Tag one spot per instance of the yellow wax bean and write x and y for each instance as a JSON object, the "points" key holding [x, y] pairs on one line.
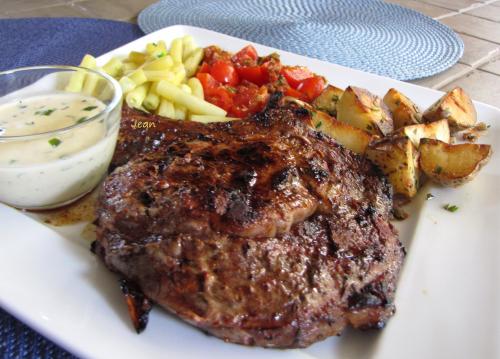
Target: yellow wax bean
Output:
{"points": [[89, 62], [127, 84], [166, 109], [186, 88], [135, 97], [128, 67], [192, 103], [187, 46], [138, 76], [113, 67], [160, 75], [90, 84], [163, 63], [137, 57], [192, 62], [180, 112], [196, 87], [176, 50]]}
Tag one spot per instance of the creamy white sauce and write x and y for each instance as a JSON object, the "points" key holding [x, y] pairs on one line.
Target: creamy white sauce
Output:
{"points": [[59, 167]]}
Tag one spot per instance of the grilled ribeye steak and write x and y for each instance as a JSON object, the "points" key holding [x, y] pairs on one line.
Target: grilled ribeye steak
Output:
{"points": [[260, 232]]}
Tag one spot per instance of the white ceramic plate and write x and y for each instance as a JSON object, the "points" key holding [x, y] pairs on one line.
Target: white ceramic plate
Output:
{"points": [[447, 301]]}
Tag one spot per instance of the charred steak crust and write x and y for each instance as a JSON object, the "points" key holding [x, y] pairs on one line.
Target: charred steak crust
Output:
{"points": [[260, 232]]}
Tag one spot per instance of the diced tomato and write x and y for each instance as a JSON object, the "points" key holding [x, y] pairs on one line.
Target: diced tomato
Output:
{"points": [[294, 93], [204, 68], [255, 74], [249, 99], [224, 72], [208, 83], [221, 97], [272, 67], [247, 56], [294, 75], [312, 87]]}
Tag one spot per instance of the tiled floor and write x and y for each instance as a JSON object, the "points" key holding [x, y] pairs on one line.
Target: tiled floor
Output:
{"points": [[476, 21]]}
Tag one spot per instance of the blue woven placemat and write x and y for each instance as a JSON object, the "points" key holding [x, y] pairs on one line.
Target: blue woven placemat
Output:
{"points": [[42, 41], [28, 42], [369, 35]]}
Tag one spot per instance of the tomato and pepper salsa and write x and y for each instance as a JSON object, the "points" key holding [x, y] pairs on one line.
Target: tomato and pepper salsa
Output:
{"points": [[242, 83]]}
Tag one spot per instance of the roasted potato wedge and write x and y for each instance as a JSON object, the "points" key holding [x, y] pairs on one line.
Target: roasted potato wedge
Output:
{"points": [[360, 108], [404, 111], [348, 136], [397, 157], [435, 130], [452, 165], [455, 106], [327, 101]]}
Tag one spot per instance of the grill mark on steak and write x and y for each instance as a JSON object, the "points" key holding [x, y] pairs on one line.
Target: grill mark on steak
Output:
{"points": [[259, 231]]}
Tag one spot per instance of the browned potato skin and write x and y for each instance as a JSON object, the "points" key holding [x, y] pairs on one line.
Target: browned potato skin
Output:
{"points": [[435, 130], [328, 99], [404, 111], [397, 157], [348, 136], [455, 106], [362, 109], [452, 165]]}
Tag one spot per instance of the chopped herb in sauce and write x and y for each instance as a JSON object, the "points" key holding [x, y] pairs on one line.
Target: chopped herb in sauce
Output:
{"points": [[54, 142], [45, 112], [89, 108], [429, 196], [450, 207], [319, 124], [369, 127], [81, 119], [438, 169]]}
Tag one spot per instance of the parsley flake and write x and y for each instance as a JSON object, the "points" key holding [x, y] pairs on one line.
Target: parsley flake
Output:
{"points": [[319, 124], [429, 196], [54, 142], [89, 108], [81, 119], [450, 207], [438, 169], [45, 112]]}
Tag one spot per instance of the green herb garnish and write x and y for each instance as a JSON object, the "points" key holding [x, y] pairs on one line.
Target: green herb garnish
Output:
{"points": [[319, 124], [11, 162], [438, 169], [369, 127], [450, 207], [429, 196], [45, 112], [54, 142], [89, 108], [81, 119]]}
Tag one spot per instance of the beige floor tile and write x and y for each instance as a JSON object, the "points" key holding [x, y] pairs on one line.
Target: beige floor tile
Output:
{"points": [[452, 4], [10, 6], [427, 9], [107, 9], [477, 50], [441, 79], [493, 67], [487, 12], [53, 11], [119, 10], [481, 85], [475, 26]]}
